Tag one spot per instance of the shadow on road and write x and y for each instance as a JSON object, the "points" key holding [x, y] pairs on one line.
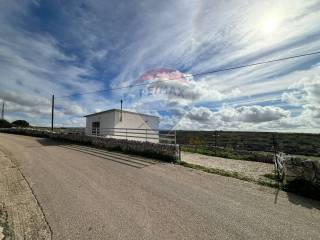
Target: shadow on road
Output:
{"points": [[300, 200], [49, 142], [303, 201], [129, 160]]}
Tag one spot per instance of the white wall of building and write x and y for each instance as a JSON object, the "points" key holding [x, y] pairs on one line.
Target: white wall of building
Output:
{"points": [[132, 126], [107, 123]]}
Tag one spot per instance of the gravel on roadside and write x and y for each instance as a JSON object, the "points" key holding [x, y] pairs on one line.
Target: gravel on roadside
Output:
{"points": [[251, 169], [21, 216]]}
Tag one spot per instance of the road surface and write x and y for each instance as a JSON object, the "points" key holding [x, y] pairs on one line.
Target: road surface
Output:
{"points": [[92, 194]]}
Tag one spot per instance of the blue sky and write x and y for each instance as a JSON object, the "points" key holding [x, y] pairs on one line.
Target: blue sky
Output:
{"points": [[70, 47]]}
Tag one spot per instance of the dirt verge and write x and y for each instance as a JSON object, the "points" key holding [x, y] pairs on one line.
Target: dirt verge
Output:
{"points": [[21, 216]]}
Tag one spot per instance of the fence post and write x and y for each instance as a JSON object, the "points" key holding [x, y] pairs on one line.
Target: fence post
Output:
{"points": [[215, 142], [146, 135], [175, 137], [52, 112], [126, 133], [274, 142]]}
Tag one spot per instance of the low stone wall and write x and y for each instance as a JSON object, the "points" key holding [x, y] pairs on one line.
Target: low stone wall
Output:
{"points": [[293, 169], [164, 152]]}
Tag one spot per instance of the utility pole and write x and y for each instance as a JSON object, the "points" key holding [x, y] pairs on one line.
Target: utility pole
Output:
{"points": [[121, 111], [52, 112], [2, 111]]}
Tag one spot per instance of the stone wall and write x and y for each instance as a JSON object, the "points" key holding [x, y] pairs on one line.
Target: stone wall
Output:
{"points": [[164, 152], [293, 169]]}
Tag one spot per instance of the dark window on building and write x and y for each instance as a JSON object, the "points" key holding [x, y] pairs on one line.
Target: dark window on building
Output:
{"points": [[96, 128]]}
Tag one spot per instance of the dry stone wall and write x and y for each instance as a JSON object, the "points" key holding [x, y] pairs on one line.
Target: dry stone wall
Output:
{"points": [[294, 168], [164, 152]]}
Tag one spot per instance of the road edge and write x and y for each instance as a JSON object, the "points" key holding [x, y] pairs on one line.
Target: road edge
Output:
{"points": [[25, 216]]}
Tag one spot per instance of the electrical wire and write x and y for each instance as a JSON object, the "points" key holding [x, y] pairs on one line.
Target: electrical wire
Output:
{"points": [[194, 75]]}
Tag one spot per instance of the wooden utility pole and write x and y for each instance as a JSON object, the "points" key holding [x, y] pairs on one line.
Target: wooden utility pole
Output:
{"points": [[52, 112], [2, 111]]}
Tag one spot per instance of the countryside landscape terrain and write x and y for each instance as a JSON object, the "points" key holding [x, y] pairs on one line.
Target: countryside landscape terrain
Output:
{"points": [[159, 120]]}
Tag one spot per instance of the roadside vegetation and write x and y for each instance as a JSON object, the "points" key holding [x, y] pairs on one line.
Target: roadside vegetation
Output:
{"points": [[291, 143], [4, 123], [17, 123]]}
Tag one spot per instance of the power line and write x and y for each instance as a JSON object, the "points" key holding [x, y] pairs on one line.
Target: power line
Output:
{"points": [[196, 74]]}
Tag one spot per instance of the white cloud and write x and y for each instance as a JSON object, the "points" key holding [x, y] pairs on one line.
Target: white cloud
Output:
{"points": [[306, 93], [199, 36], [256, 114], [250, 114]]}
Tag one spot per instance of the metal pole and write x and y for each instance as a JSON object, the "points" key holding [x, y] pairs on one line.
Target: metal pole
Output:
{"points": [[121, 111], [175, 137], [215, 141], [52, 112], [146, 135]]}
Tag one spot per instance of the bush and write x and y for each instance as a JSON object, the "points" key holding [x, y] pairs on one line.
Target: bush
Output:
{"points": [[4, 123], [20, 123]]}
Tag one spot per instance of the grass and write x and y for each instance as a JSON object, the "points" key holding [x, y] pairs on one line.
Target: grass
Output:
{"points": [[232, 174], [273, 176], [290, 143]]}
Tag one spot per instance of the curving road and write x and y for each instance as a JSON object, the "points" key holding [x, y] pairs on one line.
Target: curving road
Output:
{"points": [[87, 193]]}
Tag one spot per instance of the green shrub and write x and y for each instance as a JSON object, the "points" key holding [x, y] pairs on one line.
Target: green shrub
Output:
{"points": [[4, 123], [20, 123]]}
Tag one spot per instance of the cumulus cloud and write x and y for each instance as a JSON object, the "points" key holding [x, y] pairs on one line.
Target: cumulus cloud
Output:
{"points": [[256, 114], [23, 99], [249, 114], [306, 94], [249, 118]]}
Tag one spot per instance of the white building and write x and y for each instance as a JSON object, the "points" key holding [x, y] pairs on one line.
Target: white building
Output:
{"points": [[123, 124]]}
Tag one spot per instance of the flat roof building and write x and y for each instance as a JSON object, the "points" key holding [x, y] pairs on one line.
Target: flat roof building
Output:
{"points": [[123, 124]]}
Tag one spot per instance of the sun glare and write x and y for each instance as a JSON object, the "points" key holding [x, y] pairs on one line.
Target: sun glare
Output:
{"points": [[270, 25]]}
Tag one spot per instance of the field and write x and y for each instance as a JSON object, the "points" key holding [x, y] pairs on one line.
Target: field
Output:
{"points": [[290, 143]]}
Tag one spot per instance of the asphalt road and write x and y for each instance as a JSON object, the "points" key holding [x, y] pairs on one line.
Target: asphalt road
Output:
{"points": [[93, 194]]}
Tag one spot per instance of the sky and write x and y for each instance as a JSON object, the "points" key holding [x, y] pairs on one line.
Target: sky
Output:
{"points": [[73, 47]]}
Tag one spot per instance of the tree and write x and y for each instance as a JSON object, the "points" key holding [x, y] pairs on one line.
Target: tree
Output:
{"points": [[4, 123], [20, 123]]}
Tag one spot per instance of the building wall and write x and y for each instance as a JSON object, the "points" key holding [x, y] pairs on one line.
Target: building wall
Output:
{"points": [[107, 123], [133, 126], [148, 126]]}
